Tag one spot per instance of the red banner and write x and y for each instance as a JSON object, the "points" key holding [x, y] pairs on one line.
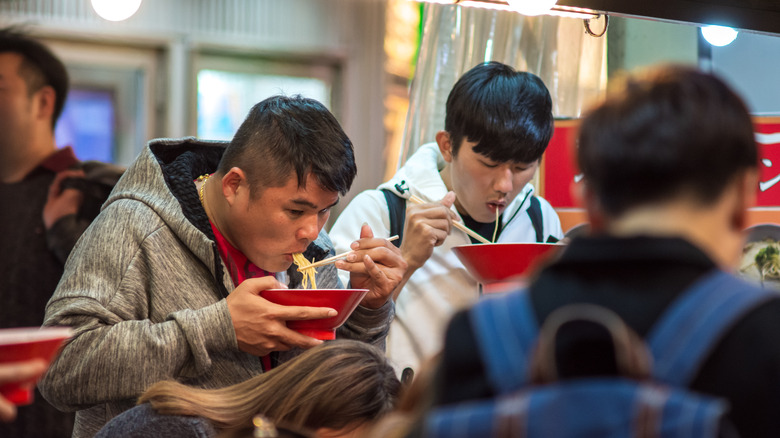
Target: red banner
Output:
{"points": [[768, 139], [559, 172], [559, 165]]}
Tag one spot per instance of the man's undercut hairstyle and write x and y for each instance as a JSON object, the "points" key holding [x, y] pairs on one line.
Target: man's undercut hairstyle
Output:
{"points": [[671, 131], [39, 66], [286, 133], [506, 112]]}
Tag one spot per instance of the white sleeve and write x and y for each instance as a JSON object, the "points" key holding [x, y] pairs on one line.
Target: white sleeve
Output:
{"points": [[550, 221]]}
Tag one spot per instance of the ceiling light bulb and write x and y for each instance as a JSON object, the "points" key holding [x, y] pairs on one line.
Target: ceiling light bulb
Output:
{"points": [[719, 35], [116, 10], [532, 7]]}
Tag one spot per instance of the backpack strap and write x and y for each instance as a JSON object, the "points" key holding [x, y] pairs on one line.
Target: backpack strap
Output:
{"points": [[693, 325], [505, 328], [535, 214], [396, 206]]}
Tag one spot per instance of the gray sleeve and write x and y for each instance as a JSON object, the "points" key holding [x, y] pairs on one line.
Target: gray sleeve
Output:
{"points": [[369, 325], [114, 293]]}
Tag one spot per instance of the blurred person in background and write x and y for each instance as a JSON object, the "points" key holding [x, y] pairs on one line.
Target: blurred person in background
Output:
{"points": [[337, 389], [48, 199], [497, 126], [670, 168]]}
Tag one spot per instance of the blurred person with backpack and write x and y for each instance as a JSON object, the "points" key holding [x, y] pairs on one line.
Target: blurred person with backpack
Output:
{"points": [[670, 167]]}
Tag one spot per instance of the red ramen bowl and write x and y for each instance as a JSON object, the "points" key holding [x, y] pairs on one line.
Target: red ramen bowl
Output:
{"points": [[24, 344], [496, 262], [343, 300]]}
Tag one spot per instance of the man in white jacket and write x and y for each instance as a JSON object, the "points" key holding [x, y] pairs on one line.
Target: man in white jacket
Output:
{"points": [[497, 126]]}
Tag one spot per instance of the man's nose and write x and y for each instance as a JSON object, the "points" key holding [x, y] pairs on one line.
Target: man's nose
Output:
{"points": [[503, 181], [310, 229]]}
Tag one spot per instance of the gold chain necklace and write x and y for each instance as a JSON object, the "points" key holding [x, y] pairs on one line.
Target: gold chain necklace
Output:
{"points": [[202, 179]]}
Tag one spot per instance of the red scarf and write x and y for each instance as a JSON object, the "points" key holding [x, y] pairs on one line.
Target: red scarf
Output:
{"points": [[240, 269], [238, 265]]}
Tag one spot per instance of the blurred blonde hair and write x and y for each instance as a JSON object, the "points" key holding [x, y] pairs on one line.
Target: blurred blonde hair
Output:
{"points": [[339, 384]]}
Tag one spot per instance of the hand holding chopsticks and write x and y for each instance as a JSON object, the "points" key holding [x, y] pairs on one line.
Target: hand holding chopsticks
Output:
{"points": [[336, 257], [458, 225]]}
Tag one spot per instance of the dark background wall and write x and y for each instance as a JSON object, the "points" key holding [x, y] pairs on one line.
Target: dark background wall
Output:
{"points": [[756, 15]]}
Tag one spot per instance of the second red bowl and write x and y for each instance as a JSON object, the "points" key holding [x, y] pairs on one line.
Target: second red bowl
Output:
{"points": [[494, 262]]}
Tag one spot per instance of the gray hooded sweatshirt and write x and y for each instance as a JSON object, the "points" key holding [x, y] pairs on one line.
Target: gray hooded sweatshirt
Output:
{"points": [[144, 290]]}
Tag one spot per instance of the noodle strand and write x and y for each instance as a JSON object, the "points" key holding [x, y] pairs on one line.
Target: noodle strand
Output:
{"points": [[308, 273], [495, 231]]}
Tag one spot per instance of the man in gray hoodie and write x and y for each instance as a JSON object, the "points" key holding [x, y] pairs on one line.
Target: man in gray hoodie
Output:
{"points": [[166, 283]]}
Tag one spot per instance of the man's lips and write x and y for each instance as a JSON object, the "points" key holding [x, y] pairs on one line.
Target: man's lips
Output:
{"points": [[496, 205], [295, 252]]}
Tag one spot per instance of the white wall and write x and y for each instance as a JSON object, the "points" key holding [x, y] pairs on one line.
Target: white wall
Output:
{"points": [[752, 65], [635, 43]]}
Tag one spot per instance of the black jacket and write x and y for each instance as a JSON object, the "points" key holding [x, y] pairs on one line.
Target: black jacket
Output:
{"points": [[637, 278]]}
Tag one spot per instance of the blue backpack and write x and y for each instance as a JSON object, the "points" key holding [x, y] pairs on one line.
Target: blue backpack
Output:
{"points": [[643, 401]]}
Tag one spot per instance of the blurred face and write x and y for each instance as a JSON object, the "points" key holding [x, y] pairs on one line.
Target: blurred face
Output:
{"points": [[482, 185], [281, 221], [16, 106]]}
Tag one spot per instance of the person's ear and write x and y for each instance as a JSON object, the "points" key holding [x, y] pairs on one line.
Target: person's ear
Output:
{"points": [[46, 100], [587, 198], [747, 188], [234, 183], [577, 191], [444, 141]]}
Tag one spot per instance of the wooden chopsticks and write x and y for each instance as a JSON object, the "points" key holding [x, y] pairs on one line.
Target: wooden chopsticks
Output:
{"points": [[458, 225], [416, 200], [335, 257]]}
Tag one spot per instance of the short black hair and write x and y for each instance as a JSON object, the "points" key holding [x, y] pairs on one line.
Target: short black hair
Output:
{"points": [[508, 113], [286, 133], [40, 67], [668, 131]]}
